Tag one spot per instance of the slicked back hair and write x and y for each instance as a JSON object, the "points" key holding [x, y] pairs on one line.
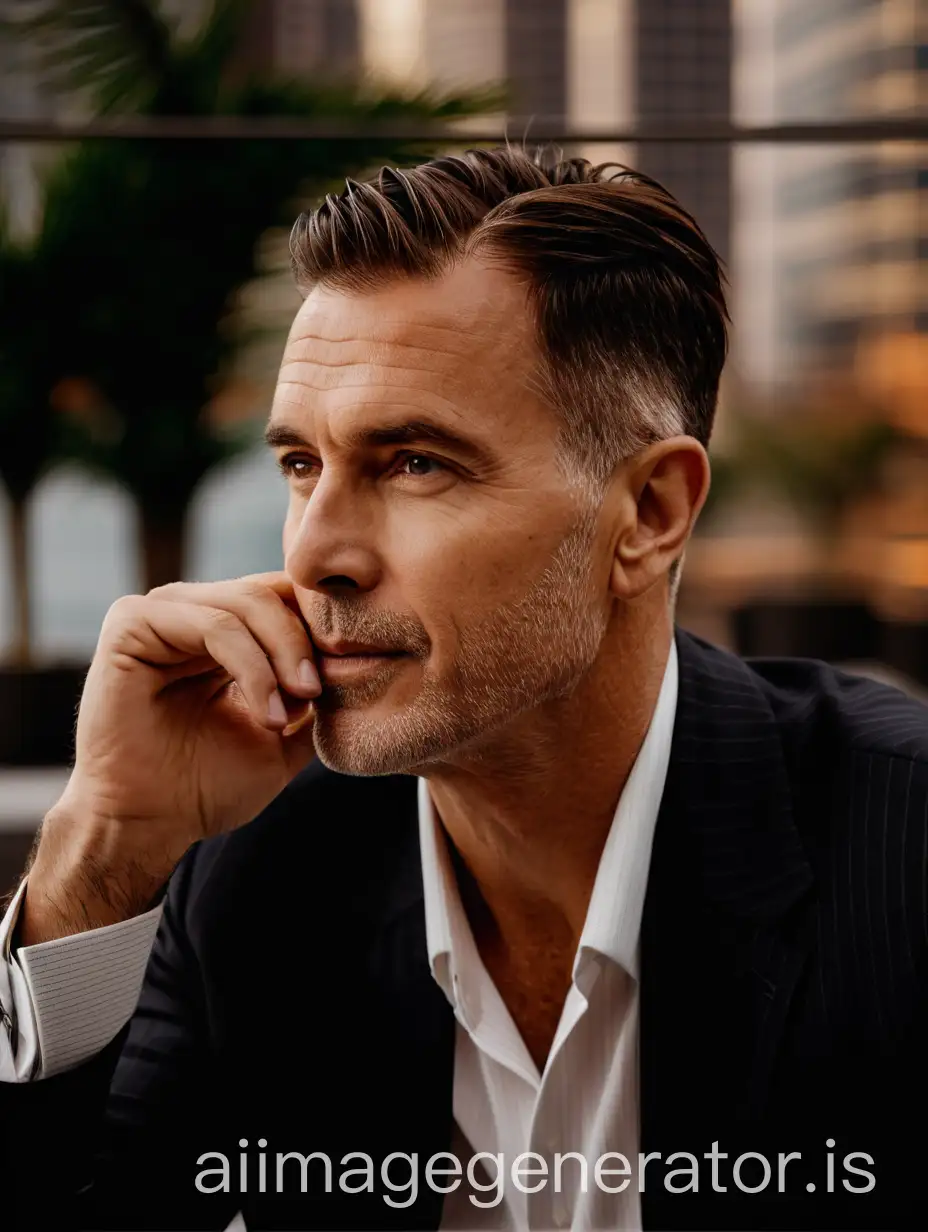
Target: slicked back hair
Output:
{"points": [[627, 293]]}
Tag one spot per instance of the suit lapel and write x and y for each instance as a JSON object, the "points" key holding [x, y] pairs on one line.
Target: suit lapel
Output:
{"points": [[721, 953], [382, 1080], [413, 1023]]}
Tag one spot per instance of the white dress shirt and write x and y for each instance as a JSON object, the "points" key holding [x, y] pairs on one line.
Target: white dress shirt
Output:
{"points": [[63, 1000]]}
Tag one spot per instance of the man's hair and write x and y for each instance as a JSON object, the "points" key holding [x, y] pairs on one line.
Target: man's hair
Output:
{"points": [[627, 293]]}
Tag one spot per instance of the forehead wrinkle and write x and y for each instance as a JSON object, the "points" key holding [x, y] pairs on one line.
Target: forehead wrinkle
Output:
{"points": [[463, 387], [428, 326], [386, 353], [323, 365], [334, 370], [468, 379], [433, 400], [391, 336], [321, 349], [467, 388]]}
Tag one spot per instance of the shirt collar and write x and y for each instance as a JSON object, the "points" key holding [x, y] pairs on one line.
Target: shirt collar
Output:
{"points": [[446, 927], [613, 921]]}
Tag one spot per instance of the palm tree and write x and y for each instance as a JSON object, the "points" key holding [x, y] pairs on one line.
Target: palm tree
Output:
{"points": [[151, 240]]}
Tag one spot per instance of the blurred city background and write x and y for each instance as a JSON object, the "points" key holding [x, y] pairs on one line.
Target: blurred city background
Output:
{"points": [[145, 294]]}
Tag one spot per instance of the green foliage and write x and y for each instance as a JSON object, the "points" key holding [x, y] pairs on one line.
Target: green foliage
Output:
{"points": [[823, 470], [726, 482], [118, 50], [816, 461]]}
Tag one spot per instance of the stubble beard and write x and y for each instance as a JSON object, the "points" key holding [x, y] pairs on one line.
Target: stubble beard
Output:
{"points": [[533, 650]]}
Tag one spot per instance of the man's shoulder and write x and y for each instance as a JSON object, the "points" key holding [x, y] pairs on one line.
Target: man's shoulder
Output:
{"points": [[843, 755], [815, 702], [854, 712]]}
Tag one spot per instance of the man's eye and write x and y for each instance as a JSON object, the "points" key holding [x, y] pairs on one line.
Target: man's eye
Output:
{"points": [[414, 465], [296, 466], [419, 464]]}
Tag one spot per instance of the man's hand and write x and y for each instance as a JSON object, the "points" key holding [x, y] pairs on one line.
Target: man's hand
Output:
{"points": [[195, 714]]}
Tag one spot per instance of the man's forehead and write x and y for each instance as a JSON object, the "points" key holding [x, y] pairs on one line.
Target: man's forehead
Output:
{"points": [[446, 316], [455, 347]]}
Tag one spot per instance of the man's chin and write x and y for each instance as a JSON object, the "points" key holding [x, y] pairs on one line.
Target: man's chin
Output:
{"points": [[386, 737], [388, 685], [353, 738]]}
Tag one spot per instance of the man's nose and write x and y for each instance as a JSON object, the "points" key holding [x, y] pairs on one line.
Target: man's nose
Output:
{"points": [[331, 547]]}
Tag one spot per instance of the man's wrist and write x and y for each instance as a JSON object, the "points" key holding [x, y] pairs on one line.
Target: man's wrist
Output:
{"points": [[89, 872]]}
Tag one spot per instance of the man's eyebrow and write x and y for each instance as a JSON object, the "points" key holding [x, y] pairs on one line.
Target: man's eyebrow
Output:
{"points": [[277, 435], [409, 432]]}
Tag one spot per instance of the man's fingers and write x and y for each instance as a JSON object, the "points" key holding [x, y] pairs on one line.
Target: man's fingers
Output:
{"points": [[276, 580], [162, 633], [259, 602]]}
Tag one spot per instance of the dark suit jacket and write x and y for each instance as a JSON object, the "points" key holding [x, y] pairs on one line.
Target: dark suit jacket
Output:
{"points": [[784, 994]]}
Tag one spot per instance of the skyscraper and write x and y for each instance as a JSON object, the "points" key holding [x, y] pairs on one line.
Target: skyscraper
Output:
{"points": [[581, 64], [683, 72], [303, 36], [838, 233]]}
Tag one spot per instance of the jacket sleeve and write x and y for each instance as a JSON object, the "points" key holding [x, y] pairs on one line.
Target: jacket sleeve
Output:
{"points": [[114, 1143]]}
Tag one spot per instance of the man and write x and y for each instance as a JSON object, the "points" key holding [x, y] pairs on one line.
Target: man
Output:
{"points": [[544, 832]]}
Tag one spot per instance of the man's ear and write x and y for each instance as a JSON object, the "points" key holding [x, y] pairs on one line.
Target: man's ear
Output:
{"points": [[664, 488]]}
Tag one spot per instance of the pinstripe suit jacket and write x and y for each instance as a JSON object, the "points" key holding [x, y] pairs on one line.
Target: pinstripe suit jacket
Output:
{"points": [[784, 995]]}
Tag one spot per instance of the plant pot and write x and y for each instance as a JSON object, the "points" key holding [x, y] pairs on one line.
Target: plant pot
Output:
{"points": [[38, 708]]}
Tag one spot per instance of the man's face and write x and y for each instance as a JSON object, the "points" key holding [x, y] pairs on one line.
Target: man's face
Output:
{"points": [[428, 518]]}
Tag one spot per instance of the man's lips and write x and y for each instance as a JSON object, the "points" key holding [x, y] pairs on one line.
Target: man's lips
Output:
{"points": [[343, 650], [350, 665]]}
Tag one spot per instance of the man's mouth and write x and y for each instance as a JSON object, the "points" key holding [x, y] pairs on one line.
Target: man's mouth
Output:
{"points": [[348, 663], [355, 650]]}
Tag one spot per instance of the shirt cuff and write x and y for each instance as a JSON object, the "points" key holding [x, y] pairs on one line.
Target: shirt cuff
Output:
{"points": [[62, 1001]]}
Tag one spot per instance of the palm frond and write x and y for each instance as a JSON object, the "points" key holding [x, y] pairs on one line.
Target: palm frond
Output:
{"points": [[116, 51], [218, 39]]}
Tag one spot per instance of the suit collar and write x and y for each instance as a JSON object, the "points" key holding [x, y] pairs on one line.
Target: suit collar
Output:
{"points": [[727, 787]]}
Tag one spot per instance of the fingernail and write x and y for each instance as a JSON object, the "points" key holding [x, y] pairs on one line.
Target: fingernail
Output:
{"points": [[276, 710], [308, 675]]}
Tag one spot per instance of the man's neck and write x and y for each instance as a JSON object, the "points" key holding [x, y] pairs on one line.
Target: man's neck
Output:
{"points": [[528, 824], [530, 818]]}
